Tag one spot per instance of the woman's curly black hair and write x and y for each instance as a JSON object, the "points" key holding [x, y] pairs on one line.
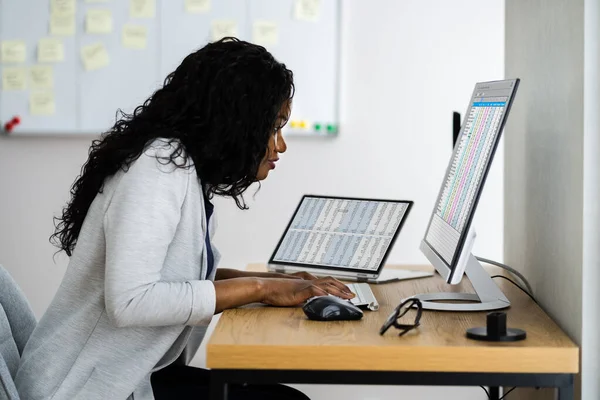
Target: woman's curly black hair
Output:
{"points": [[220, 108]]}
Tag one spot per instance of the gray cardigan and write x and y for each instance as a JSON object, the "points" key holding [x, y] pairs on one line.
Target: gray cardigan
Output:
{"points": [[135, 290]]}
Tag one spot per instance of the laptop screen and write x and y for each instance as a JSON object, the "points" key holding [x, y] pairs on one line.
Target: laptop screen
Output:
{"points": [[344, 233]]}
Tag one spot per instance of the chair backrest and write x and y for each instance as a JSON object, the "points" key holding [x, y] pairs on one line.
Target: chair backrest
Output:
{"points": [[16, 324]]}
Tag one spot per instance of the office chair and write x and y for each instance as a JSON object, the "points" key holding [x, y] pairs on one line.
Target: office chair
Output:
{"points": [[16, 325]]}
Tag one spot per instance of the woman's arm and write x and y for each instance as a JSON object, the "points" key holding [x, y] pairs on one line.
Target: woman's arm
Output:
{"points": [[236, 292], [139, 226], [226, 273]]}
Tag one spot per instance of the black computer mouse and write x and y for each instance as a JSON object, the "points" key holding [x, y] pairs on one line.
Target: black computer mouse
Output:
{"points": [[331, 308]]}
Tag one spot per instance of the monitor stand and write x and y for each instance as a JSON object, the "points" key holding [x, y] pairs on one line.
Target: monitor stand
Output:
{"points": [[487, 296]]}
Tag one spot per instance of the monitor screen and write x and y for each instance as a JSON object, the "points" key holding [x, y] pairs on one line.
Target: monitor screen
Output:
{"points": [[344, 233], [468, 168]]}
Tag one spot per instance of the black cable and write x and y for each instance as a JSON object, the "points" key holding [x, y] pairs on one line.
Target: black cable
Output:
{"points": [[509, 269], [517, 285], [506, 394], [486, 392], [501, 398]]}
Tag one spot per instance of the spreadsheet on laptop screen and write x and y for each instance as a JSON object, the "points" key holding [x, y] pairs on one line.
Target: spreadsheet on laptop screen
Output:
{"points": [[341, 233]]}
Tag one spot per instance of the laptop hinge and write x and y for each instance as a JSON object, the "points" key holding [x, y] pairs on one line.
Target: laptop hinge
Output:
{"points": [[280, 270], [362, 277]]}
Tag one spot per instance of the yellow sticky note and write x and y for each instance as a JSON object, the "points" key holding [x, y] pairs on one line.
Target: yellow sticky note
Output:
{"points": [[14, 78], [62, 24], [197, 6], [51, 50], [42, 103], [135, 36], [142, 8], [221, 28], [94, 56], [265, 33], [307, 10], [62, 6], [42, 77], [98, 21], [13, 51]]}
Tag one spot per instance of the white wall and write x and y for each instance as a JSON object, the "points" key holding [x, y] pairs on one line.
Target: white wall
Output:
{"points": [[406, 65], [552, 160], [35, 177], [544, 152]]}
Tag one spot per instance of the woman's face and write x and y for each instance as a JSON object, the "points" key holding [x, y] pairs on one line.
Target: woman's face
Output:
{"points": [[277, 145]]}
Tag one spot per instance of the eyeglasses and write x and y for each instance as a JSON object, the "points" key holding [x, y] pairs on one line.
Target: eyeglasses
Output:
{"points": [[400, 311]]}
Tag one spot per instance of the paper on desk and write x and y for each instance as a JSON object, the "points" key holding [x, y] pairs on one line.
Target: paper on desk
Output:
{"points": [[98, 21], [62, 24], [97, 1], [221, 28], [14, 78], [42, 103], [62, 6], [307, 10], [51, 50], [13, 51], [135, 36], [94, 56], [197, 6], [142, 8], [265, 33], [42, 77]]}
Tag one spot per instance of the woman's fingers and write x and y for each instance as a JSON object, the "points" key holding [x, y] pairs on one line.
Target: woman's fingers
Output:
{"points": [[334, 288], [338, 285]]}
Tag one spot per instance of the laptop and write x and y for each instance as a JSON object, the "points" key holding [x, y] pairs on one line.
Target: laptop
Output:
{"points": [[344, 237]]}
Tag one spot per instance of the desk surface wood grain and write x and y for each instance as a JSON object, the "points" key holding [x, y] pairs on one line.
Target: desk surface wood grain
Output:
{"points": [[261, 337]]}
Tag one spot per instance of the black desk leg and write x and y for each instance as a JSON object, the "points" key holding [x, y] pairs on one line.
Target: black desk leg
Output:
{"points": [[566, 392], [494, 393], [218, 388]]}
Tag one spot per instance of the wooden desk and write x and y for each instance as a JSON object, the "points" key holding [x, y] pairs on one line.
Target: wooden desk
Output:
{"points": [[267, 344]]}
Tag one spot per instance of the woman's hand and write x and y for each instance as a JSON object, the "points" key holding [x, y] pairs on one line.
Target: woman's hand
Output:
{"points": [[304, 275], [291, 292]]}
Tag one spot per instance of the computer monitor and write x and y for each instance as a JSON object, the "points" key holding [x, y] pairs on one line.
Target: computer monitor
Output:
{"points": [[449, 236]]}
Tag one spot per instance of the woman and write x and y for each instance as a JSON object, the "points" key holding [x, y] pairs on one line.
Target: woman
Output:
{"points": [[141, 285]]}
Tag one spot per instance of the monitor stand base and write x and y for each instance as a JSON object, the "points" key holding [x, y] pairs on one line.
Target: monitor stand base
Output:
{"points": [[487, 296]]}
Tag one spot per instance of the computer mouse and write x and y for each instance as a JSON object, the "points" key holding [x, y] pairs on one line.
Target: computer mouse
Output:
{"points": [[331, 308]]}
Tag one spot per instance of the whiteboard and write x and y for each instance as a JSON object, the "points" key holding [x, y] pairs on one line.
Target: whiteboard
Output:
{"points": [[86, 102]]}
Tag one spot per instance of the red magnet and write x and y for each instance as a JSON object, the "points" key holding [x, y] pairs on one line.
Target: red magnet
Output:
{"points": [[9, 126]]}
